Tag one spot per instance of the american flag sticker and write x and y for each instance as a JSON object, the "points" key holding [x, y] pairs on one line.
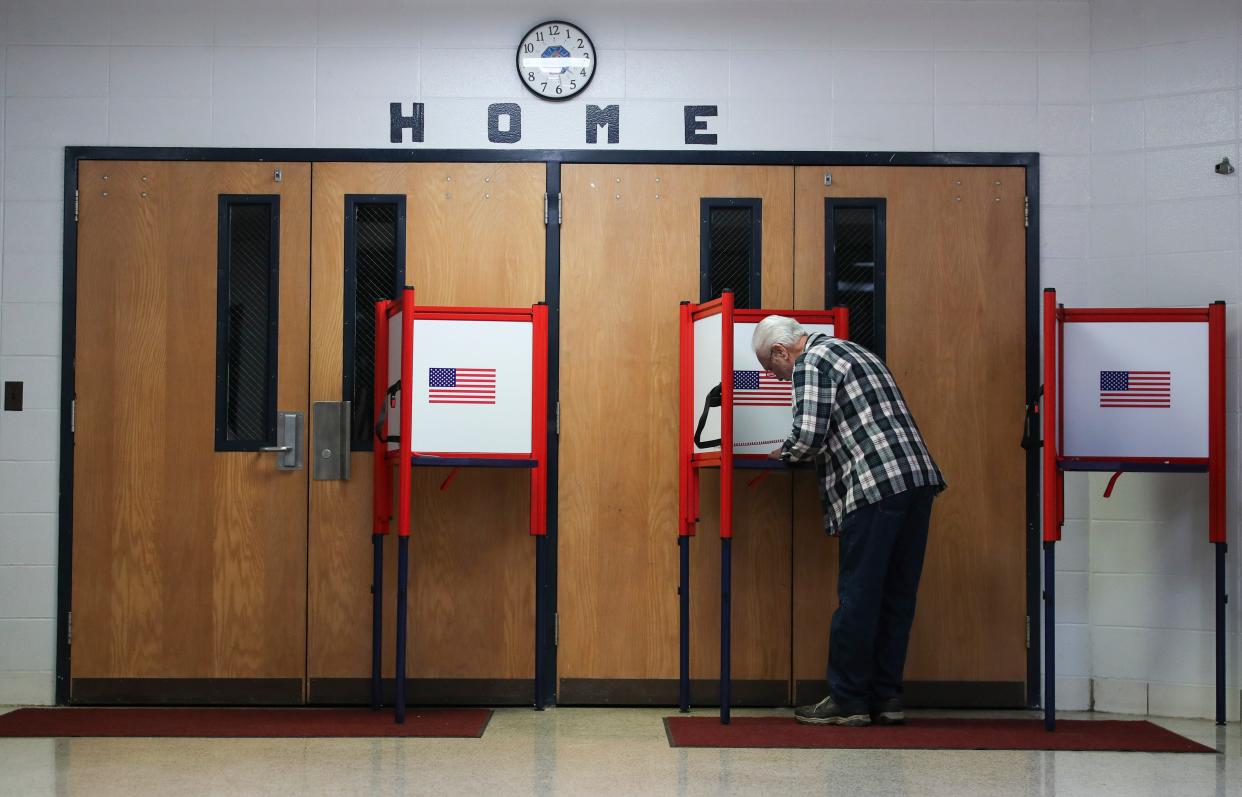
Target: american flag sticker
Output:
{"points": [[462, 385], [1143, 389], [760, 389]]}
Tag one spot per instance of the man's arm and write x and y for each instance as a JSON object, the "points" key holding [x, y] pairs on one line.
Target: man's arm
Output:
{"points": [[814, 394]]}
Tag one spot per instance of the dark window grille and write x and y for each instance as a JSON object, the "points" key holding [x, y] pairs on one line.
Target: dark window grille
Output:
{"points": [[374, 270], [854, 266], [246, 321], [730, 247]]}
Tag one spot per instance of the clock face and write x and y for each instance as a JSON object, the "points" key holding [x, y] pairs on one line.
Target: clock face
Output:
{"points": [[556, 60]]}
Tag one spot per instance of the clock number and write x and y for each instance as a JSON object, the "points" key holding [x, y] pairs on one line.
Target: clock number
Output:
{"points": [[538, 35], [558, 88], [583, 73], [529, 48], [530, 76], [553, 30], [580, 44], [573, 84], [544, 84]]}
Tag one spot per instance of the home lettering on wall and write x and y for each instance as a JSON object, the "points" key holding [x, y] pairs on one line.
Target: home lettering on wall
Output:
{"points": [[504, 123]]}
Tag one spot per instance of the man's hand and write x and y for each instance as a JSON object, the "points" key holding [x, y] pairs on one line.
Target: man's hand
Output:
{"points": [[774, 453]]}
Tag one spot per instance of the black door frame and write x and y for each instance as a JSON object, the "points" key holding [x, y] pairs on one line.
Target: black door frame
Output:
{"points": [[553, 160]]}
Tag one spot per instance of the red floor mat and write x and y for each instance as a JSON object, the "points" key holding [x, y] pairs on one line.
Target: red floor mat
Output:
{"points": [[932, 733], [242, 722]]}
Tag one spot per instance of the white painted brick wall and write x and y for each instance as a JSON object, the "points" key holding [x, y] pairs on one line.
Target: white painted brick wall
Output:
{"points": [[1164, 231]]}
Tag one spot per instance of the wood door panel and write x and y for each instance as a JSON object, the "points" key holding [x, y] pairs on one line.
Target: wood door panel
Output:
{"points": [[188, 563], [762, 581], [630, 253], [956, 314], [474, 237]]}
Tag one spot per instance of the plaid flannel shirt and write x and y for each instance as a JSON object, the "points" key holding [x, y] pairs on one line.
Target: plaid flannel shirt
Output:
{"points": [[852, 421]]}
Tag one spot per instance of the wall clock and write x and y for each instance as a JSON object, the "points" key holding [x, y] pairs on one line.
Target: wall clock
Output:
{"points": [[556, 60]]}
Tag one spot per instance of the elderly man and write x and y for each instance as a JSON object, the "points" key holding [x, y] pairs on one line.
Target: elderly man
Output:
{"points": [[876, 481]]}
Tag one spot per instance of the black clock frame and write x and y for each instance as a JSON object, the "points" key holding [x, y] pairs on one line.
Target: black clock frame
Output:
{"points": [[517, 60]]}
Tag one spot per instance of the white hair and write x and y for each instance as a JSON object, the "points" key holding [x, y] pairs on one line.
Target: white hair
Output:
{"points": [[773, 330]]}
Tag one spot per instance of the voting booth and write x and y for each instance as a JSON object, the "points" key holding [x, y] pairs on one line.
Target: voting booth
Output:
{"points": [[1132, 390], [455, 387], [732, 413]]}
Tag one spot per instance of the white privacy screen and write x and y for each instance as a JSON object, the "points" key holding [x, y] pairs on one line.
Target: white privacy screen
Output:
{"points": [[472, 388], [1135, 389]]}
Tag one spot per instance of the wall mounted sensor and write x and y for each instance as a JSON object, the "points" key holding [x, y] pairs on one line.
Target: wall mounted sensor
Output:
{"points": [[1224, 167]]}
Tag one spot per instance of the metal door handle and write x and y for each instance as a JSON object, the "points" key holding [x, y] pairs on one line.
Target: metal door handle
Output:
{"points": [[288, 448]]}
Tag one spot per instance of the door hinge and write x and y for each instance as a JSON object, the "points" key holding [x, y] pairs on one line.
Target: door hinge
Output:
{"points": [[75, 205], [1026, 211], [556, 630], [547, 202], [73, 416], [558, 419], [277, 176], [69, 628], [559, 208], [1028, 632]]}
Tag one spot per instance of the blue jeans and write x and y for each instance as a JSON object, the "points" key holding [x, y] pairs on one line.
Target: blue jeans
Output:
{"points": [[881, 559]]}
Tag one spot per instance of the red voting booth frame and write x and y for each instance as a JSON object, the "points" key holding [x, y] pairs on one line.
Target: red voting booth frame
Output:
{"points": [[691, 464], [1055, 465], [404, 458]]}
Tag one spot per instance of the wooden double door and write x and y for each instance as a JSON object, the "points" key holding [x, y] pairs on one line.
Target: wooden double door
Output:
{"points": [[954, 320], [203, 573]]}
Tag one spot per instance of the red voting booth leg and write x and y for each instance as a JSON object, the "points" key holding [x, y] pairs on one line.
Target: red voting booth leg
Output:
{"points": [[685, 514], [539, 489], [539, 420], [1217, 530], [1051, 500], [381, 508], [685, 387], [381, 487], [1058, 421], [403, 498], [726, 416], [726, 501]]}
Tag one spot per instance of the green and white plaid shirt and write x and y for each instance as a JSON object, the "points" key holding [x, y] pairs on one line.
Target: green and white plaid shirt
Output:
{"points": [[851, 420]]}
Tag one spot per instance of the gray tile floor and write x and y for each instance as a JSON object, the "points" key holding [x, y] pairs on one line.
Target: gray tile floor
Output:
{"points": [[597, 751]]}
